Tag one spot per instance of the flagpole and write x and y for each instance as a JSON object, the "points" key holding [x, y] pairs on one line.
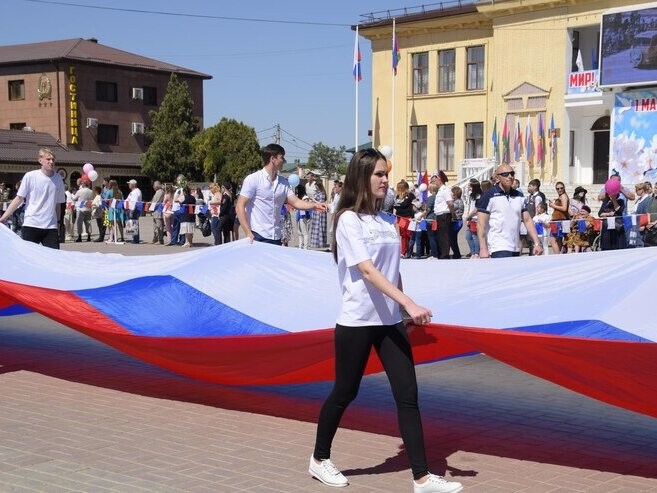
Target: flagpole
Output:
{"points": [[357, 90], [392, 99]]}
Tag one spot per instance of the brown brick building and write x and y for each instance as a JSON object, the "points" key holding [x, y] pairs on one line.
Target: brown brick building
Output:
{"points": [[93, 100]]}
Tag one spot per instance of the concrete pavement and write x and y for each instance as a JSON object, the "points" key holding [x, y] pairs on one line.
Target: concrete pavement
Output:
{"points": [[76, 415]]}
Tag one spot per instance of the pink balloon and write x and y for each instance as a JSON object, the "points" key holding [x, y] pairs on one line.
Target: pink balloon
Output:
{"points": [[613, 186], [87, 167]]}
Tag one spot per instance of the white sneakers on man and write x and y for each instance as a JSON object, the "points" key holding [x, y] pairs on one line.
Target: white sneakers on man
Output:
{"points": [[436, 484], [327, 473]]}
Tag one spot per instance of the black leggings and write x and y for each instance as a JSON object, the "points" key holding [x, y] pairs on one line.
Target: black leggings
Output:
{"points": [[352, 349]]}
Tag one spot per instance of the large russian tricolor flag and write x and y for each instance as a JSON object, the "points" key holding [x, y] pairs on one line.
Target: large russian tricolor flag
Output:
{"points": [[258, 314]]}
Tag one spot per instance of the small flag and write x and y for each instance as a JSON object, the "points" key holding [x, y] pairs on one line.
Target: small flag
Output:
{"points": [[494, 140], [357, 58], [553, 138], [395, 52], [529, 142], [505, 143], [540, 145], [579, 62]]}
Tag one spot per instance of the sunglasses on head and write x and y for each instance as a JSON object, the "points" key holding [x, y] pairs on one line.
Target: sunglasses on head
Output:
{"points": [[506, 174]]}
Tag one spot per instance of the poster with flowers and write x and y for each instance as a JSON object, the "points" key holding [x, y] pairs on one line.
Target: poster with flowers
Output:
{"points": [[633, 152]]}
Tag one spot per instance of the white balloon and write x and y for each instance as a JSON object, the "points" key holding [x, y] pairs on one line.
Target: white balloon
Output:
{"points": [[423, 187], [87, 167], [386, 151], [93, 175]]}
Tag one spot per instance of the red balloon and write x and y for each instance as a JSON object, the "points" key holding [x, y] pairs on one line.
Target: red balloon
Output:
{"points": [[613, 186]]}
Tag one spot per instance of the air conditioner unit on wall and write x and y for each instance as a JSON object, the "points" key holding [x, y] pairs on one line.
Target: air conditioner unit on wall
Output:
{"points": [[137, 93], [137, 128], [92, 122]]}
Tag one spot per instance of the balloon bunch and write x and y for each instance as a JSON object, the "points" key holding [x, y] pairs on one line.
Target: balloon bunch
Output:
{"points": [[89, 174]]}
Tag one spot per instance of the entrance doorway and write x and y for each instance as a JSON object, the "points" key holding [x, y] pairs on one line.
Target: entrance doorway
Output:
{"points": [[601, 149]]}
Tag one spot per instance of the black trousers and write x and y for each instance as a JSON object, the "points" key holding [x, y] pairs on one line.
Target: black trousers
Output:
{"points": [[46, 237], [352, 349], [442, 234]]}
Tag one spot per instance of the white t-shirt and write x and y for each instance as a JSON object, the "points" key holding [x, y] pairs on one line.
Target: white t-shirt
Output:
{"points": [[543, 218], [82, 197], [133, 197], [42, 195], [363, 237], [443, 196], [266, 198]]}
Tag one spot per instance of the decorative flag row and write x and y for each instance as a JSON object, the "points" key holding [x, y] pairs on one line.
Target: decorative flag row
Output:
{"points": [[136, 206], [534, 148]]}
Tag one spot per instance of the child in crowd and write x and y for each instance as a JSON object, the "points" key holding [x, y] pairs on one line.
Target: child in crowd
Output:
{"points": [[416, 232], [576, 240], [542, 222]]}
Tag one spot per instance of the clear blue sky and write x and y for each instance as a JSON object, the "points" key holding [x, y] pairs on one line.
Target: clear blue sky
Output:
{"points": [[294, 74]]}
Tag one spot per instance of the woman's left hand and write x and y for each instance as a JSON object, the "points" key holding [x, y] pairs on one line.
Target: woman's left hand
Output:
{"points": [[418, 314]]}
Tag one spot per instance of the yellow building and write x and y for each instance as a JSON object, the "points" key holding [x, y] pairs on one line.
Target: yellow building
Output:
{"points": [[469, 69]]}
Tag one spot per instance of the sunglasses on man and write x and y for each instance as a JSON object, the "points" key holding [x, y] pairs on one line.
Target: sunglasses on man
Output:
{"points": [[506, 174]]}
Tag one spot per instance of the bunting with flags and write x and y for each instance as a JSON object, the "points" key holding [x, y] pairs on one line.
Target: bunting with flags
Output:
{"points": [[357, 58]]}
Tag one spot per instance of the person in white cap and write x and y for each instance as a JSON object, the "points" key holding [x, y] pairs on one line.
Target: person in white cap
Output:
{"points": [[135, 205]]}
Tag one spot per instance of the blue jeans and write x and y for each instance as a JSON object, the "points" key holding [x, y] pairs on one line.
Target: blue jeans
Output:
{"points": [[473, 241], [416, 240], [175, 230]]}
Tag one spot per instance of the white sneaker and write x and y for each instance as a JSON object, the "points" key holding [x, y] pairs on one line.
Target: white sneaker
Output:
{"points": [[436, 484], [327, 473]]}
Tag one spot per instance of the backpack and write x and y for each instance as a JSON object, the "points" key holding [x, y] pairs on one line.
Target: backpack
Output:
{"points": [[530, 203]]}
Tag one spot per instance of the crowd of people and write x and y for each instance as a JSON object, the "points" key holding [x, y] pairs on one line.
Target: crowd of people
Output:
{"points": [[431, 218]]}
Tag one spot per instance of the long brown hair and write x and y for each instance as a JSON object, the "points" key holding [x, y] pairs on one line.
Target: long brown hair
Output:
{"points": [[356, 193]]}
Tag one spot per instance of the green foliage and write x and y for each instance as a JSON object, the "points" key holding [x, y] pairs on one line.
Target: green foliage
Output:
{"points": [[330, 160], [229, 150], [173, 126]]}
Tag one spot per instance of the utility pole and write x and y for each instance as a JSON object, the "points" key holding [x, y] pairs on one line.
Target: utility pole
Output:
{"points": [[277, 135]]}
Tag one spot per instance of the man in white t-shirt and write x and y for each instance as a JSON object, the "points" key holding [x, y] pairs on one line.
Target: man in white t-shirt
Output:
{"points": [[82, 200], [42, 190], [135, 205], [262, 196]]}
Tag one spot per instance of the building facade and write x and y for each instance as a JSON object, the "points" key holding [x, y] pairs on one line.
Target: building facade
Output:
{"points": [[92, 99], [506, 81]]}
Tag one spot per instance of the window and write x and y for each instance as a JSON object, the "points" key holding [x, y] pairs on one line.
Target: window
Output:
{"points": [[16, 90], [421, 73], [108, 134], [150, 96], [106, 91], [475, 76], [419, 148], [446, 70], [17, 126], [474, 140], [446, 147]]}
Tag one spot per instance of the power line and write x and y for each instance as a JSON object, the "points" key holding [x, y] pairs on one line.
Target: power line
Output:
{"points": [[198, 16], [297, 138]]}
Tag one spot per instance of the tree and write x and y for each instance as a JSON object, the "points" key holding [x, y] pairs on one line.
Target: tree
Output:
{"points": [[172, 127], [329, 160], [227, 151]]}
